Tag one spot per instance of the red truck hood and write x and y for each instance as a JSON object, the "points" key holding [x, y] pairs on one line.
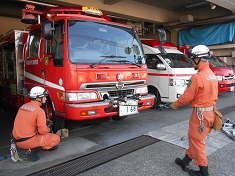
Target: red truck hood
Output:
{"points": [[222, 71]]}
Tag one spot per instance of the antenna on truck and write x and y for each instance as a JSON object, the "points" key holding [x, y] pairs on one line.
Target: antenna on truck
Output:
{"points": [[162, 37]]}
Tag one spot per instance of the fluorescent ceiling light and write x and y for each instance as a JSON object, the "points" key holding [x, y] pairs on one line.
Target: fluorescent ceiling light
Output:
{"points": [[213, 6]]}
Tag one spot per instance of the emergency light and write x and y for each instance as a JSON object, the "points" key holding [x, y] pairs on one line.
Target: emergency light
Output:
{"points": [[32, 16], [156, 44]]}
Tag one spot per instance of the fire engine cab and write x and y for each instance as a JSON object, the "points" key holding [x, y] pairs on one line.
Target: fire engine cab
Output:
{"points": [[169, 70], [92, 67]]}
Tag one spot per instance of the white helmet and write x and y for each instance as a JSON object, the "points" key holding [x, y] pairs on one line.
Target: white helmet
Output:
{"points": [[199, 51], [37, 92]]}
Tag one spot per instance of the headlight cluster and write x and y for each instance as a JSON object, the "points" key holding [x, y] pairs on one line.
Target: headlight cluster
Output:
{"points": [[81, 96], [178, 82], [220, 78], [141, 90]]}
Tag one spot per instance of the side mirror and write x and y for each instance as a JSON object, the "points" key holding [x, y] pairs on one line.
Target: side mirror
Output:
{"points": [[162, 37], [47, 30], [160, 67]]}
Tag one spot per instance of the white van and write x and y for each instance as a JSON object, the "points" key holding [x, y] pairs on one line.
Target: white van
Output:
{"points": [[169, 73]]}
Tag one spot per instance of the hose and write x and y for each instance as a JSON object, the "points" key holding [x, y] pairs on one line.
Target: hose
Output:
{"points": [[14, 154]]}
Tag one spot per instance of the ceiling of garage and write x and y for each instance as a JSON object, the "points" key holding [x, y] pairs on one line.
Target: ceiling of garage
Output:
{"points": [[176, 6], [224, 9]]}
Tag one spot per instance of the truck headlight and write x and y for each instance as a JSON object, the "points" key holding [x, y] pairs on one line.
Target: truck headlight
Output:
{"points": [[141, 90], [177, 82], [81, 96]]}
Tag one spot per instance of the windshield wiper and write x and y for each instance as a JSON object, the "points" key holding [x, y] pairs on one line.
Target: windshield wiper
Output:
{"points": [[105, 57], [127, 61]]}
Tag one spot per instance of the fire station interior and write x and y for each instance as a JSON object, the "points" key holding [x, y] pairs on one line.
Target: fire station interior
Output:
{"points": [[147, 15]]}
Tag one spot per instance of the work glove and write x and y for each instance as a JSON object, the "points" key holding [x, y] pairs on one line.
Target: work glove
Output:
{"points": [[50, 124], [174, 105]]}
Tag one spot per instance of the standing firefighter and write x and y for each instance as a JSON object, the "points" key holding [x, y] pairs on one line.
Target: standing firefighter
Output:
{"points": [[30, 126], [201, 93]]}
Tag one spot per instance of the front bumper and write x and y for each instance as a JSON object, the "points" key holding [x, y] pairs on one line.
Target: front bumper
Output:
{"points": [[74, 111], [226, 86]]}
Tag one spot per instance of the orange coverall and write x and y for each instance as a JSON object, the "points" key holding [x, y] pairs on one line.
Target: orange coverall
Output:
{"points": [[202, 91], [31, 121]]}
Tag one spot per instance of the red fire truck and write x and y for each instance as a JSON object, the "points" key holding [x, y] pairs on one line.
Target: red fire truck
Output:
{"points": [[92, 67]]}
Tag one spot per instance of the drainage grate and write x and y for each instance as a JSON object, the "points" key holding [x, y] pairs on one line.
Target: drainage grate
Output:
{"points": [[97, 158]]}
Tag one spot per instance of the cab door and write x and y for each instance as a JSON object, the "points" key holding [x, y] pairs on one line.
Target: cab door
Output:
{"points": [[33, 74], [158, 74]]}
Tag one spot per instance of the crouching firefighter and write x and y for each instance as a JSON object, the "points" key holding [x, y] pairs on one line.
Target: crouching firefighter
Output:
{"points": [[30, 130], [202, 94]]}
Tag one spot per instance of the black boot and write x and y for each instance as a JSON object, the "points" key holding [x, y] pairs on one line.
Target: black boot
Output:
{"points": [[183, 163], [32, 154], [203, 171], [52, 149]]}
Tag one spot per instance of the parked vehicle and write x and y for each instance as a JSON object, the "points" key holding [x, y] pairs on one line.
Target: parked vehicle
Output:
{"points": [[224, 73], [92, 67], [169, 71]]}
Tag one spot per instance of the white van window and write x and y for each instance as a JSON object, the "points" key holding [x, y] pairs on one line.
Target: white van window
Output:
{"points": [[152, 60], [176, 60]]}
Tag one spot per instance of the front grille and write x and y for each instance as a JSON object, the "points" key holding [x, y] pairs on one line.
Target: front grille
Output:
{"points": [[118, 93], [109, 90], [112, 85], [230, 85], [226, 78]]}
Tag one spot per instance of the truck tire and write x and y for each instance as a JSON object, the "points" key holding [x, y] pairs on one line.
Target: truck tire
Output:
{"points": [[118, 118], [58, 122], [155, 92]]}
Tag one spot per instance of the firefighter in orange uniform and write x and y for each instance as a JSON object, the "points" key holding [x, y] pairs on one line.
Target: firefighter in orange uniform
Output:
{"points": [[30, 126], [202, 94]]}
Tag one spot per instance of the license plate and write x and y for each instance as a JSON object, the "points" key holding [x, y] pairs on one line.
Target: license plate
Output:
{"points": [[231, 89], [128, 108]]}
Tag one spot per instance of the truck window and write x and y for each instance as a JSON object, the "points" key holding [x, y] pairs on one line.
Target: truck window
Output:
{"points": [[58, 42], [56, 45], [89, 42], [216, 62], [176, 60], [8, 62], [34, 41]]}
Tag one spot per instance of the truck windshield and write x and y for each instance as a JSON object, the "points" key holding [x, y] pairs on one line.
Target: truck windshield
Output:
{"points": [[176, 60], [216, 62], [90, 41]]}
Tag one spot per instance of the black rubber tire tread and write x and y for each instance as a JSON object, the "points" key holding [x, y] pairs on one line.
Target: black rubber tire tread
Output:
{"points": [[58, 122], [155, 92]]}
